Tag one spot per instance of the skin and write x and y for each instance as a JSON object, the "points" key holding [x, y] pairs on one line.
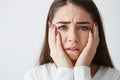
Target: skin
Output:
{"points": [[72, 27]]}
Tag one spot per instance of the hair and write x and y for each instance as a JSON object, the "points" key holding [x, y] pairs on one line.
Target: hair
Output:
{"points": [[102, 56]]}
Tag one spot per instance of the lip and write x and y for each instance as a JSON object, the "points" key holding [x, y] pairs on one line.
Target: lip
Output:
{"points": [[73, 49]]}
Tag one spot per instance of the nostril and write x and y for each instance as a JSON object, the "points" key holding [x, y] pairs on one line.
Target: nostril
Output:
{"points": [[70, 40], [73, 41], [76, 41]]}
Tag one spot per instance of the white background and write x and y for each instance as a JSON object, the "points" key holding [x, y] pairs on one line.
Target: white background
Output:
{"points": [[22, 25]]}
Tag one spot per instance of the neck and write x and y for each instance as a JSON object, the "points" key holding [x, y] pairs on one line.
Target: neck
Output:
{"points": [[94, 69]]}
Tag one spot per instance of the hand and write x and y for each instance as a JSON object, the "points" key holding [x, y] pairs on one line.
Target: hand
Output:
{"points": [[89, 51], [56, 49]]}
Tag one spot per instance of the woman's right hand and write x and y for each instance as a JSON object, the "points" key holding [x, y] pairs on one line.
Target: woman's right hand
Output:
{"points": [[57, 52]]}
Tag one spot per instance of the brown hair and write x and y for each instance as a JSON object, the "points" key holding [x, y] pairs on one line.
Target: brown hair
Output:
{"points": [[102, 55]]}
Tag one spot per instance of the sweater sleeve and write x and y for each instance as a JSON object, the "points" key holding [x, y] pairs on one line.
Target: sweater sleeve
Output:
{"points": [[31, 74], [82, 73], [28, 76], [64, 73]]}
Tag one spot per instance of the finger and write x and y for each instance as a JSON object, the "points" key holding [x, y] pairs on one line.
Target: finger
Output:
{"points": [[85, 53], [59, 41], [95, 33], [49, 31], [90, 41], [52, 39], [85, 57], [95, 30], [53, 32], [65, 59]]}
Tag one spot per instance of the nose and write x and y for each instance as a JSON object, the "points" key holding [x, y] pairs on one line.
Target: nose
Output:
{"points": [[73, 37]]}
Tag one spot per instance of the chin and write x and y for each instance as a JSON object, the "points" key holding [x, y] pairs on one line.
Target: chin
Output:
{"points": [[74, 57]]}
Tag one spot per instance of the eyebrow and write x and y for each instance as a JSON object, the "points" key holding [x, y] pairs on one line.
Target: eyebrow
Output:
{"points": [[65, 22]]}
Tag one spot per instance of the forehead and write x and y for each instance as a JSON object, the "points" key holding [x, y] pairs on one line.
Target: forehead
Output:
{"points": [[71, 12]]}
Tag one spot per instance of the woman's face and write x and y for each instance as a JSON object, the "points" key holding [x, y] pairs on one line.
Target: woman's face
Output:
{"points": [[74, 24]]}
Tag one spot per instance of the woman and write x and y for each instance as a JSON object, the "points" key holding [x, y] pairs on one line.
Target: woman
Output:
{"points": [[74, 46]]}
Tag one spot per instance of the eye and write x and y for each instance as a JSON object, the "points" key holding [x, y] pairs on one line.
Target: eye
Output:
{"points": [[62, 27], [84, 28]]}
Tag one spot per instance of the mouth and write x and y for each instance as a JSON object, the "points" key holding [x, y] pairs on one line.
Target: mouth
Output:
{"points": [[73, 49]]}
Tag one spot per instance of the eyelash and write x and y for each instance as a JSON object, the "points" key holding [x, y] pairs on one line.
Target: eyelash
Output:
{"points": [[84, 28], [63, 27]]}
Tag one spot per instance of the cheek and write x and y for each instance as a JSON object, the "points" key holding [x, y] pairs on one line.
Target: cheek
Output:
{"points": [[62, 37]]}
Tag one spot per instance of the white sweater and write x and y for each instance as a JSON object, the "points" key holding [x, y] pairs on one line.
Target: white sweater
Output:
{"points": [[50, 72]]}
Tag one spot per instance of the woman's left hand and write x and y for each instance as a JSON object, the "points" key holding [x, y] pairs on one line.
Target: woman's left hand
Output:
{"points": [[89, 51]]}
